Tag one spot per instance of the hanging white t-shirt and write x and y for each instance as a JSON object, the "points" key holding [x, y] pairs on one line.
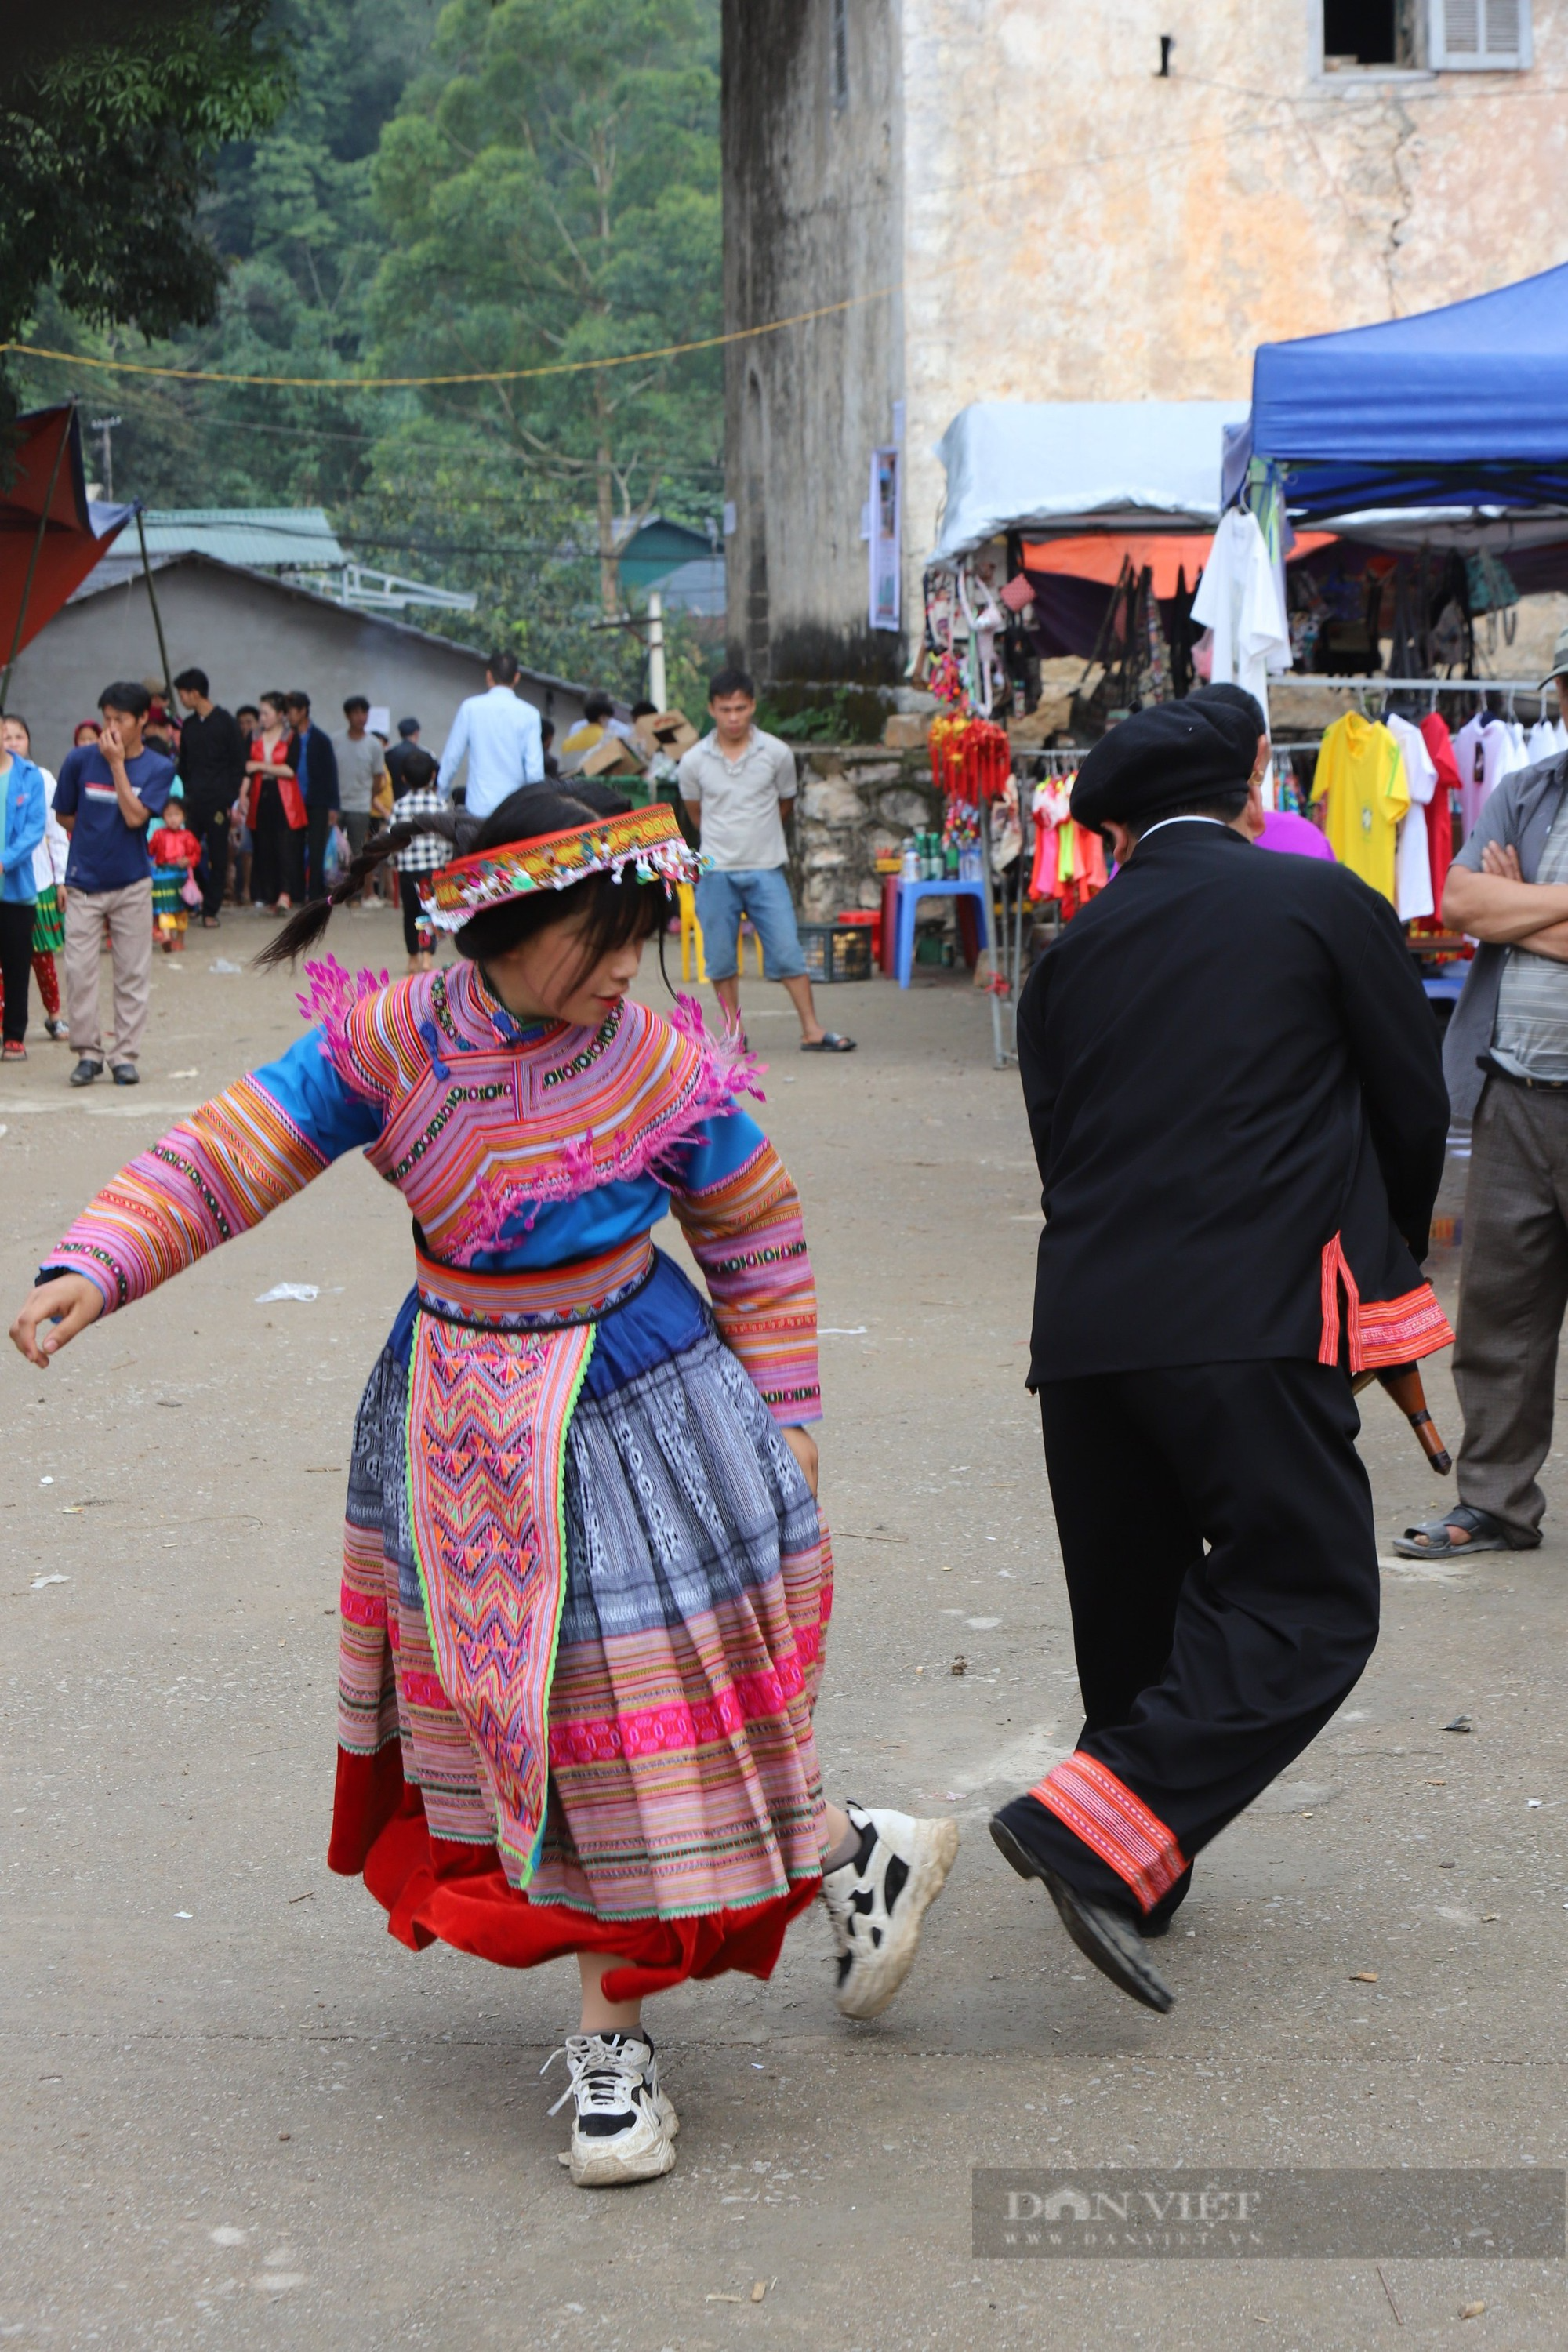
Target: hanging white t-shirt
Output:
{"points": [[1541, 744], [1479, 749], [1238, 599], [1412, 858]]}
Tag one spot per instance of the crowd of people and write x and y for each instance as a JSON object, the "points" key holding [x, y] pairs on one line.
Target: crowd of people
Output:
{"points": [[160, 814]]}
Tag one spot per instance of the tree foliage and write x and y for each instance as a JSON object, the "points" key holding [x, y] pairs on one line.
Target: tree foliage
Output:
{"points": [[109, 145], [551, 189]]}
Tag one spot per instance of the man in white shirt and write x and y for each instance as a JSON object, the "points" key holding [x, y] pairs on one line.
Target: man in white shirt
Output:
{"points": [[735, 784], [500, 734]]}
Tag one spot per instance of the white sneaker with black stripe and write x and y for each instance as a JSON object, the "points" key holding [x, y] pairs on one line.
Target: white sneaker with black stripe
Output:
{"points": [[623, 2127], [878, 1899]]}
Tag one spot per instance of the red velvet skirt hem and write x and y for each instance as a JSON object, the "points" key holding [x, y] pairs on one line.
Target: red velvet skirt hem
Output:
{"points": [[437, 1890]]}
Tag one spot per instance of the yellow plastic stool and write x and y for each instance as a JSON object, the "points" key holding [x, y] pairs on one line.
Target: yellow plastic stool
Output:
{"points": [[692, 936]]}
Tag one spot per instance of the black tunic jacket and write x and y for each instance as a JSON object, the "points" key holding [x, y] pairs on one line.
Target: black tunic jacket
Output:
{"points": [[1236, 1094]]}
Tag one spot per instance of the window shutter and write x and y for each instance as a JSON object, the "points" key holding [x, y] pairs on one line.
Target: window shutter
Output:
{"points": [[1480, 36]]}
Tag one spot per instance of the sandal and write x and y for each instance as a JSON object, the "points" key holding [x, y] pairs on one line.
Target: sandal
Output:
{"points": [[829, 1042], [1432, 1540]]}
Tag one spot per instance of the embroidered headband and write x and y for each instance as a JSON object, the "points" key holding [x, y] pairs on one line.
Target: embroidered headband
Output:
{"points": [[647, 839]]}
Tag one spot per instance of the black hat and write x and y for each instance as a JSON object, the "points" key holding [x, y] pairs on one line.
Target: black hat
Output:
{"points": [[1158, 759]]}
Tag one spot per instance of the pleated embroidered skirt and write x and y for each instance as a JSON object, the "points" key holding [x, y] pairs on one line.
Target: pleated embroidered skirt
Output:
{"points": [[683, 1828]]}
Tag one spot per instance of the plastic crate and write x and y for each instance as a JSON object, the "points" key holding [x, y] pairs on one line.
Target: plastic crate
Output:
{"points": [[835, 953]]}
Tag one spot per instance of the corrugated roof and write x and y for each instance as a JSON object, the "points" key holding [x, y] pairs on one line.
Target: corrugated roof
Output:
{"points": [[262, 538]]}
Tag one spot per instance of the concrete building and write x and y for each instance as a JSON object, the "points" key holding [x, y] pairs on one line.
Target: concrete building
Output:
{"points": [[250, 632], [1022, 201]]}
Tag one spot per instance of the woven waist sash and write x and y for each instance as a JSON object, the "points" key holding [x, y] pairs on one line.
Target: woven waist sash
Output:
{"points": [[534, 1299]]}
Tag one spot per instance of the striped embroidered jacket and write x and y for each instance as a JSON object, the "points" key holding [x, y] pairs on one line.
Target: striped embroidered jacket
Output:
{"points": [[512, 1146]]}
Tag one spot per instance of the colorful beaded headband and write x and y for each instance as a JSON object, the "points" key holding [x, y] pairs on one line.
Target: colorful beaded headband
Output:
{"points": [[647, 839]]}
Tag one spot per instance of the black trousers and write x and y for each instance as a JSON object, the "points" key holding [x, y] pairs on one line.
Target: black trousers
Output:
{"points": [[1217, 1535], [212, 824], [414, 914], [278, 861], [17, 920]]}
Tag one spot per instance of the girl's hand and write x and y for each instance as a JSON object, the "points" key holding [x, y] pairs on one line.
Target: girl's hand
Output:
{"points": [[803, 1445], [69, 1303]]}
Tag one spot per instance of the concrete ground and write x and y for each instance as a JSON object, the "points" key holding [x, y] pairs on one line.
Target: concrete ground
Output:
{"points": [[237, 2112]]}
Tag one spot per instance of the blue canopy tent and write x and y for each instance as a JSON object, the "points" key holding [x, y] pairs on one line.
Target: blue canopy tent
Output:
{"points": [[1460, 408]]}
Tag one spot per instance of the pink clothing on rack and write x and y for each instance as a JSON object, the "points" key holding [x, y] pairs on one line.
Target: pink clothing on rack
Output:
{"points": [[1298, 834]]}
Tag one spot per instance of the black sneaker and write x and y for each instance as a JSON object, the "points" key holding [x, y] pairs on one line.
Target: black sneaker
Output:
{"points": [[1103, 1935], [126, 1073], [85, 1072], [53, 1028]]}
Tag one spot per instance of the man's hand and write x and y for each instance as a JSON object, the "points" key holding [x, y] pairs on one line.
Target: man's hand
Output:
{"points": [[69, 1303], [112, 743], [803, 1445], [1501, 859]]}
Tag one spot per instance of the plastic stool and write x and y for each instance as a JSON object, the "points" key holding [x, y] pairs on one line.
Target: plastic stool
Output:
{"points": [[692, 936], [976, 894]]}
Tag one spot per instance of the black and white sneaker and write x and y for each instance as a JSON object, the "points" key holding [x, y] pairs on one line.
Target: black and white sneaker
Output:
{"points": [[623, 2127], [878, 1899]]}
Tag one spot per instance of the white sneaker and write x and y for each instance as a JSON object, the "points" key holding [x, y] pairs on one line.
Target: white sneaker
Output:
{"points": [[624, 2128], [878, 1899]]}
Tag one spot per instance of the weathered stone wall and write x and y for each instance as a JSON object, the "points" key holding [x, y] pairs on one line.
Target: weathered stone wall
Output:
{"points": [[854, 805], [1056, 222]]}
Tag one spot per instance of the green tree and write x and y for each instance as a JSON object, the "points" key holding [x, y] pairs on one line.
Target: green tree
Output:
{"points": [[551, 192], [110, 143]]}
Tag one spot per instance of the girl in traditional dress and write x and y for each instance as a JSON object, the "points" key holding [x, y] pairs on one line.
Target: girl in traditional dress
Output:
{"points": [[49, 879], [584, 1585], [175, 853]]}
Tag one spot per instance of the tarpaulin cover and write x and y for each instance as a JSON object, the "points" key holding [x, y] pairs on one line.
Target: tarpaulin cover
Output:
{"points": [[1075, 465], [75, 536], [1463, 406]]}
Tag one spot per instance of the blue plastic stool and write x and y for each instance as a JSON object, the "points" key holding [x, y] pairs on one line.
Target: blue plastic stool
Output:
{"points": [[909, 896]]}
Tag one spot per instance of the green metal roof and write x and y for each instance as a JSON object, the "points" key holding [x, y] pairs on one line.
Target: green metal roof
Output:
{"points": [[263, 538]]}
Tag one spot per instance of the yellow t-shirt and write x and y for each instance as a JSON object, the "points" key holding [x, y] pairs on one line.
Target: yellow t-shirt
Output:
{"points": [[1361, 775]]}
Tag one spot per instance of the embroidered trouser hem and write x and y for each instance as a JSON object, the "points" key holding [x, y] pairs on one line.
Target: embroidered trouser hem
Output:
{"points": [[1221, 1563]]}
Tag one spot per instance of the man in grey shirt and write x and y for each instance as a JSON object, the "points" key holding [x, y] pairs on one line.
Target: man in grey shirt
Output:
{"points": [[1506, 1062], [735, 784]]}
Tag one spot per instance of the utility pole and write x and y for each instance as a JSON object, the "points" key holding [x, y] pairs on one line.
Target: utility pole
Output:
{"points": [[655, 682], [106, 425]]}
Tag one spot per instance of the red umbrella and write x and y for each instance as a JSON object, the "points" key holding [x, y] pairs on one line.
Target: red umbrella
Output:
{"points": [[51, 534]]}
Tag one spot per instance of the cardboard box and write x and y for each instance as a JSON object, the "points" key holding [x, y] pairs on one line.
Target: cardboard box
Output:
{"points": [[612, 757], [669, 731]]}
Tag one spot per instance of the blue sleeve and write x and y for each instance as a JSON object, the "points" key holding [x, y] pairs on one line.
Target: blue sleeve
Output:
{"points": [[68, 784], [305, 1084], [19, 848], [719, 1150]]}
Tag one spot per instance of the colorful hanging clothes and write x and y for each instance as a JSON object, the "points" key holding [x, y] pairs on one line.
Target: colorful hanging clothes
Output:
{"points": [[1440, 807], [1069, 859], [1361, 776], [585, 1587], [1482, 753], [1414, 897]]}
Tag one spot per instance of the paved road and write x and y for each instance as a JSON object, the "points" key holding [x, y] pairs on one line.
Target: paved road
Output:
{"points": [[237, 2112]]}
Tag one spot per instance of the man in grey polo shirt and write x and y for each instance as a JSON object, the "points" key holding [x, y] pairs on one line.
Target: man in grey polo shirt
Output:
{"points": [[734, 783], [1506, 1062]]}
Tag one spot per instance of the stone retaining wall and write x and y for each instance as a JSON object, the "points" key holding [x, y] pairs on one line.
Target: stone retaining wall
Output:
{"points": [[856, 803]]}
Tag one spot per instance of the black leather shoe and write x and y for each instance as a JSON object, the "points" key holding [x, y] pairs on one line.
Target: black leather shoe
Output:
{"points": [[85, 1072], [126, 1073], [1105, 1937]]}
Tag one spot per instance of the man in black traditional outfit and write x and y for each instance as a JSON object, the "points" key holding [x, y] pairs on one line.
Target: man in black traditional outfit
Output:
{"points": [[1237, 1100]]}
